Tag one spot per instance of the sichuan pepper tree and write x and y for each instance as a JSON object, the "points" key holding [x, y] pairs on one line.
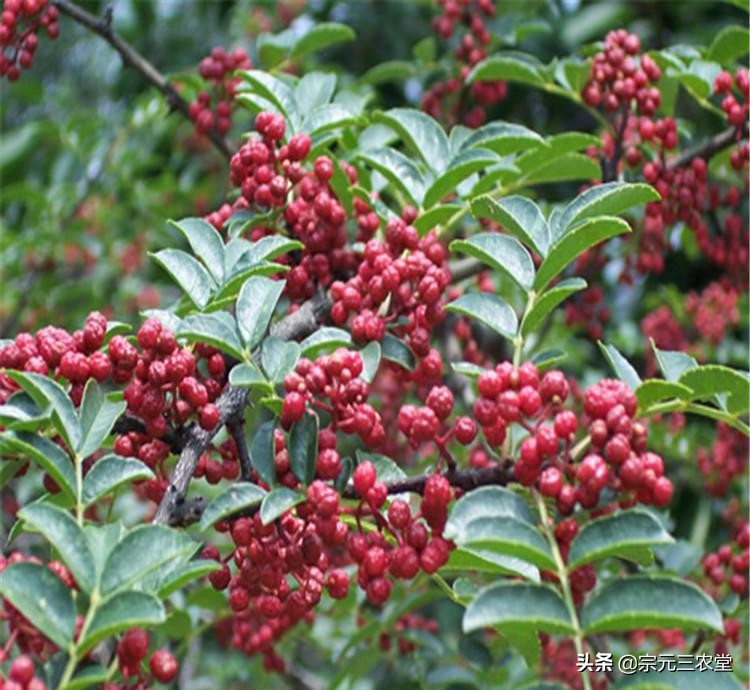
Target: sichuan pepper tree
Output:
{"points": [[372, 425]]}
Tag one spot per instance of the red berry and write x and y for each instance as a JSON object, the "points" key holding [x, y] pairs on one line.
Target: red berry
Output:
{"points": [[163, 666], [364, 477]]}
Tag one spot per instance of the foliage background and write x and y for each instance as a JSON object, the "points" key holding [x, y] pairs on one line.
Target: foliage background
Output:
{"points": [[92, 163]]}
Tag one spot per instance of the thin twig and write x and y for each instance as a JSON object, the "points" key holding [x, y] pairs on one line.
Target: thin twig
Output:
{"points": [[707, 148], [102, 26], [236, 428]]}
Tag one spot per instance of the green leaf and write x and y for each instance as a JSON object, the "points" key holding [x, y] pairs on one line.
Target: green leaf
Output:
{"points": [[142, 551], [469, 369], [274, 48], [708, 380], [489, 309], [486, 561], [555, 147], [571, 245], [86, 677], [206, 244], [548, 301], [526, 641], [611, 198], [322, 36], [655, 390], [101, 540], [673, 363], [503, 138], [326, 118], [615, 535], [303, 447], [699, 78], [324, 339], [121, 612], [370, 355], [566, 168], [509, 67], [437, 215], [669, 680], [483, 503], [46, 391], [277, 502], [240, 496], [622, 368], [399, 170], [729, 44], [536, 607], [313, 90], [98, 415], [62, 531], [460, 168], [48, 455], [277, 92], [22, 413], [110, 473], [217, 328], [518, 216], [247, 375], [396, 350], [188, 572], [264, 249], [256, 304], [42, 598], [190, 276], [262, 454], [421, 133], [645, 601], [508, 536], [391, 70], [503, 253], [278, 357], [386, 470]]}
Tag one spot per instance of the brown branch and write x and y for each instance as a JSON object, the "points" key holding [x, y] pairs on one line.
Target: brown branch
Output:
{"points": [[236, 428], [230, 404], [466, 480], [102, 27], [707, 148]]}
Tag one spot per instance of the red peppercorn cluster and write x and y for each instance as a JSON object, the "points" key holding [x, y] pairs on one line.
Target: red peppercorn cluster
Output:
{"points": [[729, 564], [54, 352], [559, 659], [407, 622], [589, 310], [667, 638], [736, 111], [546, 457], [687, 197], [20, 24], [267, 171], [225, 466], [332, 384], [415, 548], [618, 80], [22, 675], [218, 70], [725, 461], [132, 649], [26, 637], [405, 276], [165, 390], [449, 99], [306, 548], [713, 311]]}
